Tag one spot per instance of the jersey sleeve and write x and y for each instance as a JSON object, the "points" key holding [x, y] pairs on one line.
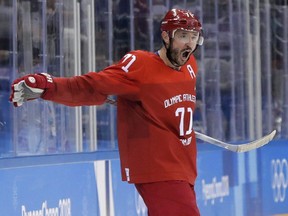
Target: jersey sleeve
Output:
{"points": [[121, 79]]}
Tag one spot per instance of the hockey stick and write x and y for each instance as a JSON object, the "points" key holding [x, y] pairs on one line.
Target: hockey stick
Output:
{"points": [[235, 148], [238, 148]]}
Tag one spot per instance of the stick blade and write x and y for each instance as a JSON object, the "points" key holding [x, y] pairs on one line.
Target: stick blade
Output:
{"points": [[257, 143]]}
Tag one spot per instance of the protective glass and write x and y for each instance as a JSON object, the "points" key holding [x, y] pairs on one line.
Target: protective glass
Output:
{"points": [[186, 36]]}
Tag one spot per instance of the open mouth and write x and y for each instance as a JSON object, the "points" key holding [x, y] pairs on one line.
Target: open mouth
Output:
{"points": [[186, 53]]}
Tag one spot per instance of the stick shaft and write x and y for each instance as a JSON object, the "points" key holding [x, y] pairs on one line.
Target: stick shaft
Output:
{"points": [[235, 148]]}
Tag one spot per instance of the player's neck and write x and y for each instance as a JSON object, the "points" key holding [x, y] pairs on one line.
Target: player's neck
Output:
{"points": [[163, 56]]}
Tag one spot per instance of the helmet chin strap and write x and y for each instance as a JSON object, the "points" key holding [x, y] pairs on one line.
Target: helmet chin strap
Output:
{"points": [[195, 48], [168, 55]]}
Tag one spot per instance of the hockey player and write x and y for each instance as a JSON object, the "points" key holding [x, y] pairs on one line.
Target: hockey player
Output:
{"points": [[156, 96]]}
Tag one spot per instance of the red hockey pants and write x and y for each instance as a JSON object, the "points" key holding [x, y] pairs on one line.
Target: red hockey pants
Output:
{"points": [[169, 198]]}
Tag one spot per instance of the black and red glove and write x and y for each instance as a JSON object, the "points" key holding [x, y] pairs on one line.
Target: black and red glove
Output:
{"points": [[30, 87]]}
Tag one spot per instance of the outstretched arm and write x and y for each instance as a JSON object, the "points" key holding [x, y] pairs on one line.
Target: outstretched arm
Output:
{"points": [[67, 91], [89, 89]]}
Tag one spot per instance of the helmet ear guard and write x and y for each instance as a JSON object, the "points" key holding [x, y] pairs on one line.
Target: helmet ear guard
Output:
{"points": [[201, 39]]}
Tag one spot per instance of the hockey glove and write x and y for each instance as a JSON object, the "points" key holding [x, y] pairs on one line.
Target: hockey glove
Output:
{"points": [[30, 87]]}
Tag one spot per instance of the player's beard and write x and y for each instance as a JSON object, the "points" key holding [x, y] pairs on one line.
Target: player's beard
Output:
{"points": [[177, 57]]}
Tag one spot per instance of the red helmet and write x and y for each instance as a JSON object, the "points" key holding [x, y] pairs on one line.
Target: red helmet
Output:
{"points": [[181, 19]]}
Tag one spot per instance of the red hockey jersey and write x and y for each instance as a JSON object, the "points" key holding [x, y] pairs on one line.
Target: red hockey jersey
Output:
{"points": [[155, 113]]}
